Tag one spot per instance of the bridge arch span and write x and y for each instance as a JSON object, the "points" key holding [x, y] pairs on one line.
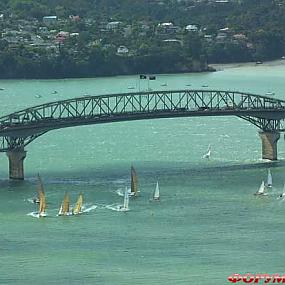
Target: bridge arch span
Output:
{"points": [[20, 128]]}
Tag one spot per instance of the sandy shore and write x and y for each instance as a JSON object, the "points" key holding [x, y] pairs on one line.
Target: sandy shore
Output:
{"points": [[241, 64]]}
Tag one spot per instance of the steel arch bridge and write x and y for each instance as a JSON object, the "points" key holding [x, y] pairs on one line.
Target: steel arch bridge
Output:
{"points": [[20, 128]]}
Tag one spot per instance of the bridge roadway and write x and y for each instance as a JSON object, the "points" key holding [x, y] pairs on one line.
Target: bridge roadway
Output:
{"points": [[20, 128]]}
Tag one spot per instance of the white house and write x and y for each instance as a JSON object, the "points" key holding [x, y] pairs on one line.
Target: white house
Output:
{"points": [[122, 50], [49, 20], [191, 28], [113, 25]]}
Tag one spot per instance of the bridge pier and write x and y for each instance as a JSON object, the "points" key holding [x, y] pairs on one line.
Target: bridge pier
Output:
{"points": [[16, 163], [269, 144]]}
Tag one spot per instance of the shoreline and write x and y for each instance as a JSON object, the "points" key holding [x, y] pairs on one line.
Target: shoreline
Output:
{"points": [[222, 66], [214, 67]]}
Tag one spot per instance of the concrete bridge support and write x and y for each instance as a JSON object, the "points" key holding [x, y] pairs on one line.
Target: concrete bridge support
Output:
{"points": [[269, 144], [16, 163]]}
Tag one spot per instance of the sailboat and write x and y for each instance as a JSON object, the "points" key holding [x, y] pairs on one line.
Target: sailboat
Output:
{"points": [[124, 207], [208, 154], [78, 206], [269, 179], [64, 208], [42, 200], [261, 190], [156, 195], [134, 183]]}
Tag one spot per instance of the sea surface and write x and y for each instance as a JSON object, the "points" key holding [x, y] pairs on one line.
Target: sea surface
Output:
{"points": [[208, 224]]}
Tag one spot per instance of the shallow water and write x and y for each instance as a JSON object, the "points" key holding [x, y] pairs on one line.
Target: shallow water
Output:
{"points": [[207, 225]]}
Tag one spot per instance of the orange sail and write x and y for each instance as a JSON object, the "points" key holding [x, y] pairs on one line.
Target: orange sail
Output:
{"points": [[42, 198], [64, 208]]}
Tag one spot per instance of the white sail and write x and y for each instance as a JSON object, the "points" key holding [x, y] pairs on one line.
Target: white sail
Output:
{"points": [[261, 189], [208, 154], [156, 192], [126, 200], [269, 179]]}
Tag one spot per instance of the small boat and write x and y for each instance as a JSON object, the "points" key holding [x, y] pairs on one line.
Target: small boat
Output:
{"points": [[134, 183], [163, 84], [156, 195], [269, 179], [2, 89], [41, 200], [261, 190], [64, 208], [78, 206], [205, 85], [131, 87], [54, 92], [208, 153], [270, 93], [259, 62], [38, 96]]}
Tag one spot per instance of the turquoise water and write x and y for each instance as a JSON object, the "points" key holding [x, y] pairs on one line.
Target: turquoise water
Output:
{"points": [[207, 225]]}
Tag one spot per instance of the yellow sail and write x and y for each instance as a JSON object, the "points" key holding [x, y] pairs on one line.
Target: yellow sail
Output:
{"points": [[78, 206], [134, 182], [42, 204], [42, 198], [64, 208]]}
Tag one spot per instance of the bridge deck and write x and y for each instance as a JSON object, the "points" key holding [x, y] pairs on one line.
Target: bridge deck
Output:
{"points": [[22, 127]]}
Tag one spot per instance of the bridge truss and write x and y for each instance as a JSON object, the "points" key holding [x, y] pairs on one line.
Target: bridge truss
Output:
{"points": [[20, 128]]}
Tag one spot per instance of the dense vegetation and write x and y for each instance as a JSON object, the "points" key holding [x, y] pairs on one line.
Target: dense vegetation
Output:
{"points": [[234, 31]]}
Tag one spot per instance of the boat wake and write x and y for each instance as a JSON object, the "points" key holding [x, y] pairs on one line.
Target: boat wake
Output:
{"points": [[117, 208], [120, 192], [89, 209], [36, 215]]}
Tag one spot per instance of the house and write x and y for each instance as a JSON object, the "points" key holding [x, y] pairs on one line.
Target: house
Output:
{"points": [[122, 50], [43, 30], [61, 36], [74, 18], [49, 20], [173, 41], [112, 26], [191, 28], [221, 37], [167, 28], [208, 38], [240, 37]]}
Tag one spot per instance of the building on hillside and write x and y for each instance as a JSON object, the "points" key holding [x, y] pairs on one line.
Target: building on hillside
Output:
{"points": [[112, 26], [122, 50], [191, 28], [49, 20]]}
